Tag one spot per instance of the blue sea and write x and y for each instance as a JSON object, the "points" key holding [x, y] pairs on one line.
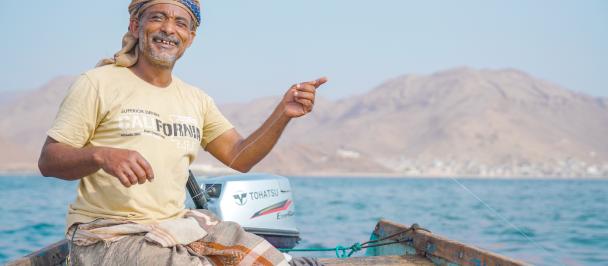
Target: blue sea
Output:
{"points": [[543, 222]]}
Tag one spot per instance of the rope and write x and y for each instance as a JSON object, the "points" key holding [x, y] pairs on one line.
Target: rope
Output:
{"points": [[343, 252]]}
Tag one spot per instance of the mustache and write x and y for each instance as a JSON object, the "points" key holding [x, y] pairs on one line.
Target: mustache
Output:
{"points": [[161, 36]]}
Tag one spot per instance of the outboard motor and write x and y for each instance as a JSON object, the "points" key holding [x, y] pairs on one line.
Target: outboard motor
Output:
{"points": [[261, 203]]}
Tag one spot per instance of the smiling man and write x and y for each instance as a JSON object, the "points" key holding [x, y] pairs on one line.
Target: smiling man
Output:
{"points": [[129, 129]]}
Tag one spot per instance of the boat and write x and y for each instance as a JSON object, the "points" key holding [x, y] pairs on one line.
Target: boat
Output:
{"points": [[413, 245], [399, 245], [257, 201]]}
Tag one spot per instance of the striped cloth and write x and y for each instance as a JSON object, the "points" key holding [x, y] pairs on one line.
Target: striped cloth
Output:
{"points": [[192, 6], [220, 242]]}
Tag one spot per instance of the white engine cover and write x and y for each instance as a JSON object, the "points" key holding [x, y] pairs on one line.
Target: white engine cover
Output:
{"points": [[261, 203]]}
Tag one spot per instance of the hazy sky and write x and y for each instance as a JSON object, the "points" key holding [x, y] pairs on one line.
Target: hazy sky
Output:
{"points": [[248, 49]]}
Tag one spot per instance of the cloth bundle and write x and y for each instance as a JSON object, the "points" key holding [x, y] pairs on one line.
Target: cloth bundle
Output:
{"points": [[218, 242]]}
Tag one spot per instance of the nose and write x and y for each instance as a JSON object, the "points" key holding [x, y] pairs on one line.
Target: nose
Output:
{"points": [[168, 27]]}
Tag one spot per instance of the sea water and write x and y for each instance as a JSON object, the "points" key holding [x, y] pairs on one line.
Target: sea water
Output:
{"points": [[544, 222]]}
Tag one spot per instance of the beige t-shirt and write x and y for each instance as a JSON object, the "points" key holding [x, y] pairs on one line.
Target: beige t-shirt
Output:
{"points": [[110, 106]]}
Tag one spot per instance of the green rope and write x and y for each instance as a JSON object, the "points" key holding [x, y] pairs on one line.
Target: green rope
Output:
{"points": [[341, 252]]}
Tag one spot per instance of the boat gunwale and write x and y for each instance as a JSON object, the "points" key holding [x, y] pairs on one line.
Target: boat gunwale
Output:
{"points": [[443, 251], [53, 254]]}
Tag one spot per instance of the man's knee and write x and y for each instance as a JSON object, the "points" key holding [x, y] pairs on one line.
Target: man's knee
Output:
{"points": [[131, 250]]}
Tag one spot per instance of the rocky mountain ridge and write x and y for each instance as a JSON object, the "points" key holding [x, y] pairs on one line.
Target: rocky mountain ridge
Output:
{"points": [[458, 122]]}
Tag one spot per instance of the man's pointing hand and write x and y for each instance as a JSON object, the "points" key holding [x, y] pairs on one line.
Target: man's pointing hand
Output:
{"points": [[300, 98]]}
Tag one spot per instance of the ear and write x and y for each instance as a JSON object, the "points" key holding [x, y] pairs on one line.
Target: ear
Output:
{"points": [[134, 27]]}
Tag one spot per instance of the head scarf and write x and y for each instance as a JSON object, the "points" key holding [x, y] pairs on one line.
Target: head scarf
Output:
{"points": [[127, 56]]}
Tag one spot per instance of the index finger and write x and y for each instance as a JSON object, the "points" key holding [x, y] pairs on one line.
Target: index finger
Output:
{"points": [[147, 168], [317, 83]]}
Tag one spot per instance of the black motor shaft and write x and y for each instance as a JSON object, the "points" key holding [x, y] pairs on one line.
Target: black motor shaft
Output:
{"points": [[198, 197]]}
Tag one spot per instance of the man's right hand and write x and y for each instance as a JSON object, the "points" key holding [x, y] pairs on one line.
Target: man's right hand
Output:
{"points": [[128, 166]]}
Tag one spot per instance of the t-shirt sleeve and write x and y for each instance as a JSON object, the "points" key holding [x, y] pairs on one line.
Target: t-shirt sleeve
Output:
{"points": [[78, 114], [215, 124]]}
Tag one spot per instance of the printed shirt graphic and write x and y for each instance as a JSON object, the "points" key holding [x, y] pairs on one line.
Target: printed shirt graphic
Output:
{"points": [[112, 107]]}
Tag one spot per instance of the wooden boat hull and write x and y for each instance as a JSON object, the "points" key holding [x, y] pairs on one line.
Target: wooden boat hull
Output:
{"points": [[416, 247], [420, 247]]}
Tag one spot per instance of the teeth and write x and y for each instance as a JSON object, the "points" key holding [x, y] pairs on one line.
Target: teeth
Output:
{"points": [[164, 42]]}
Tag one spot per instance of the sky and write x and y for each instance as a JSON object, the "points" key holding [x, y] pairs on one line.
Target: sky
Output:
{"points": [[251, 49]]}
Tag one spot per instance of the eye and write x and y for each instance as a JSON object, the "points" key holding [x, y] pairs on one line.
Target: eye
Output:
{"points": [[182, 24], [156, 18]]}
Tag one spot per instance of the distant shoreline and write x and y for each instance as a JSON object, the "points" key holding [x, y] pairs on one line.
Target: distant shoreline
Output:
{"points": [[401, 176], [19, 173], [356, 175]]}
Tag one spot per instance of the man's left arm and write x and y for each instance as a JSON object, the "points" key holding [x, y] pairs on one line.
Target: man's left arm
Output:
{"points": [[241, 153]]}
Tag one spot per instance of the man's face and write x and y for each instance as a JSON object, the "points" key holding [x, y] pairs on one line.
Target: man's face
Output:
{"points": [[164, 32]]}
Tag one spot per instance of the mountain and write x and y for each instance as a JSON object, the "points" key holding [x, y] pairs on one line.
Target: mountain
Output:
{"points": [[25, 121], [456, 122], [9, 96], [460, 121]]}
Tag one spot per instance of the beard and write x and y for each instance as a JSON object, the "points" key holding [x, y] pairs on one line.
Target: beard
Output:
{"points": [[161, 58]]}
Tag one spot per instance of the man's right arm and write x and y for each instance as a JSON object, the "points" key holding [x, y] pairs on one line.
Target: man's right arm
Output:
{"points": [[66, 162]]}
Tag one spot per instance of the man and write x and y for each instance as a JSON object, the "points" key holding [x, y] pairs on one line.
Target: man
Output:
{"points": [[129, 129]]}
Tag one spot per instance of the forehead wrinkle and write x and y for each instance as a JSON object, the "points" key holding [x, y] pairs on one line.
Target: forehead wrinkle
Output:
{"points": [[166, 14]]}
